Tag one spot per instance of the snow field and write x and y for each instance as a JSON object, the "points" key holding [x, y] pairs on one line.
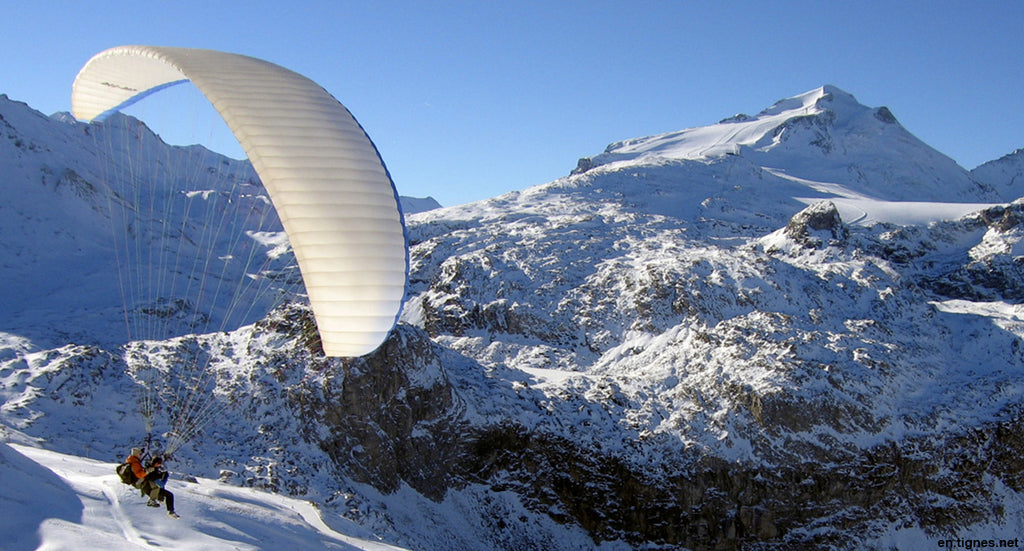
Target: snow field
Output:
{"points": [[53, 501]]}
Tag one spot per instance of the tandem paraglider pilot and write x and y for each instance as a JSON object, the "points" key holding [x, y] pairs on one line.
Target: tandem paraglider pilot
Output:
{"points": [[150, 480]]}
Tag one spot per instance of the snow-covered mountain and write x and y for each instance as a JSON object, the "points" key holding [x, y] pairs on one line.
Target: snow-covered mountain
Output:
{"points": [[412, 205], [799, 329], [818, 145], [1006, 174], [824, 136]]}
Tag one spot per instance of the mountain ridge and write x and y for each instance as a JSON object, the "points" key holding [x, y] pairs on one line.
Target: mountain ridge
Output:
{"points": [[816, 136]]}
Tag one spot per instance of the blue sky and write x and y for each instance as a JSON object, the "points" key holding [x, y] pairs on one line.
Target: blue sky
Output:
{"points": [[468, 100]]}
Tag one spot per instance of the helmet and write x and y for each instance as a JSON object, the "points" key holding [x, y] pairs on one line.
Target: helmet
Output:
{"points": [[137, 452]]}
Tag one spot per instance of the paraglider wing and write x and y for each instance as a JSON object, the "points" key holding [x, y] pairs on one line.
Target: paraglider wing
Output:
{"points": [[330, 188]]}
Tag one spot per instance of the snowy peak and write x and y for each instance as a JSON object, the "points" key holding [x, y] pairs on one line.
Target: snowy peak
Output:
{"points": [[810, 102], [1006, 174], [413, 205], [730, 136], [824, 137]]}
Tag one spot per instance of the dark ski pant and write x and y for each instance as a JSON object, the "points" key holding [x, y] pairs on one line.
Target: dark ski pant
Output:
{"points": [[165, 496], [156, 493]]}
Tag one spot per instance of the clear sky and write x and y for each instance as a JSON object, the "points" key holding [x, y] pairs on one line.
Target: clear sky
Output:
{"points": [[468, 100]]}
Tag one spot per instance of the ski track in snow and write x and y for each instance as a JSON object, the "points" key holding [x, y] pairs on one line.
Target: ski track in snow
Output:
{"points": [[131, 535]]}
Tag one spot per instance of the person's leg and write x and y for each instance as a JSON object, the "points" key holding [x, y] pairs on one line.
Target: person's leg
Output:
{"points": [[150, 490], [168, 497]]}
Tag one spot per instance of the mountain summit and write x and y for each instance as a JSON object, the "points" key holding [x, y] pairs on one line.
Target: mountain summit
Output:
{"points": [[824, 136], [731, 135]]}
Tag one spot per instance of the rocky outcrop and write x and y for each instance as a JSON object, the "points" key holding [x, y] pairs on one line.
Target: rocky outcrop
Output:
{"points": [[388, 418], [817, 225]]}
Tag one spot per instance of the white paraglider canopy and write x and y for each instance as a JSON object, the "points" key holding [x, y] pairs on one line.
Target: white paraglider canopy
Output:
{"points": [[327, 182]]}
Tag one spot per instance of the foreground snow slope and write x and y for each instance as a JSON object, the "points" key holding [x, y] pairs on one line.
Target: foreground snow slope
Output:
{"points": [[56, 501]]}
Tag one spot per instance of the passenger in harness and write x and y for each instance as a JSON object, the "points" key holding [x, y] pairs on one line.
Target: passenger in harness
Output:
{"points": [[150, 480]]}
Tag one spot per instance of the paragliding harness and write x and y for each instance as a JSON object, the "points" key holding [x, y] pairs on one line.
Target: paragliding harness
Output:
{"points": [[124, 471]]}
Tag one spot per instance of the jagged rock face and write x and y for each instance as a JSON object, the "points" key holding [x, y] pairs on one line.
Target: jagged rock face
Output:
{"points": [[712, 504], [385, 419], [394, 417]]}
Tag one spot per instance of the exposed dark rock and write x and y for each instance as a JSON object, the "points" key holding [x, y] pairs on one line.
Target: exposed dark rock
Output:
{"points": [[885, 115], [705, 503], [584, 164], [391, 416], [808, 226]]}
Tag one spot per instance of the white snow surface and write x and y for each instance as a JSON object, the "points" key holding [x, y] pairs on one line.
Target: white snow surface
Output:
{"points": [[828, 143], [412, 205], [56, 501], [727, 138]]}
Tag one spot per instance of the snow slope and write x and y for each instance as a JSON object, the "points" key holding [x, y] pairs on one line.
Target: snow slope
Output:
{"points": [[87, 201], [412, 205], [56, 501]]}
